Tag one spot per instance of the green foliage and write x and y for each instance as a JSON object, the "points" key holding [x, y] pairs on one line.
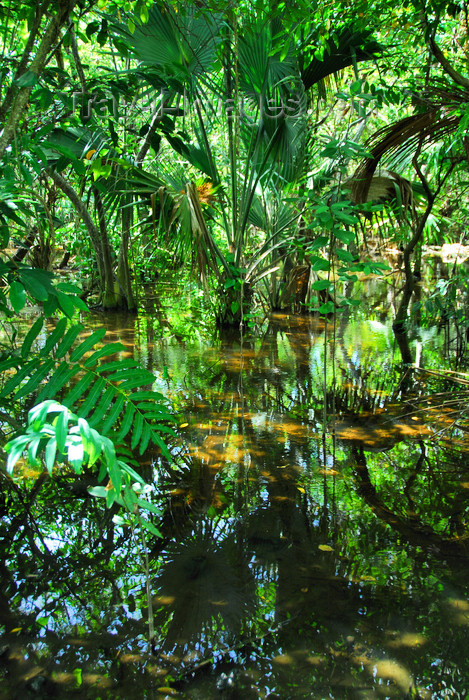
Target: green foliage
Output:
{"points": [[111, 401], [39, 286], [112, 394]]}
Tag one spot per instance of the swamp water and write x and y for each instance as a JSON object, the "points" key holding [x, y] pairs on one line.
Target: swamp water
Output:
{"points": [[314, 533]]}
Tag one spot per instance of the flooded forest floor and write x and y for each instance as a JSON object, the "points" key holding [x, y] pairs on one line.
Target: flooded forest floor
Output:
{"points": [[314, 525]]}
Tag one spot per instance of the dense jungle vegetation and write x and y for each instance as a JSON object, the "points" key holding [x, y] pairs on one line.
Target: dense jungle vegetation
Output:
{"points": [[260, 158]]}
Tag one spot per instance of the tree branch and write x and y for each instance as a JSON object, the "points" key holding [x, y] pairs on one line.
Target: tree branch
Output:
{"points": [[446, 65]]}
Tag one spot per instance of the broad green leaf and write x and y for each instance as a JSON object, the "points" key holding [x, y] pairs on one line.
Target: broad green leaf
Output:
{"points": [[327, 308], [150, 527], [321, 284], [321, 265], [17, 296], [33, 285], [131, 472], [147, 505], [344, 236], [50, 454], [66, 303], [33, 447], [98, 491], [61, 427], [344, 255], [28, 79], [15, 449]]}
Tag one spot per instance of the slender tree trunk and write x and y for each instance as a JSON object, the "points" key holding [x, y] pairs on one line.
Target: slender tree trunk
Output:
{"points": [[103, 262], [109, 298], [125, 296]]}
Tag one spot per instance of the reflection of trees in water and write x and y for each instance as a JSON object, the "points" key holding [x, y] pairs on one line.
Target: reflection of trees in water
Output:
{"points": [[240, 563]]}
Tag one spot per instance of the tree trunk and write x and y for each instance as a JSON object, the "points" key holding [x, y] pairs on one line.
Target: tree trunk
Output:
{"points": [[103, 262], [19, 103], [109, 296], [125, 295]]}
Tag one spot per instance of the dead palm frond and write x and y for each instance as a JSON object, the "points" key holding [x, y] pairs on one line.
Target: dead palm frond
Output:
{"points": [[440, 118]]}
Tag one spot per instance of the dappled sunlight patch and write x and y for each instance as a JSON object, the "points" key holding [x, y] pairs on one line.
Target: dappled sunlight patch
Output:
{"points": [[164, 599], [315, 660], [406, 640], [458, 610], [390, 670], [284, 659], [129, 658]]}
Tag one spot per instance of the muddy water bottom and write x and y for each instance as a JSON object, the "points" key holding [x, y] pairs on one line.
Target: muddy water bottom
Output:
{"points": [[314, 535]]}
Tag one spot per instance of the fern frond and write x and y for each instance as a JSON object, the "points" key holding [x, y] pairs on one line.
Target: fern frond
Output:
{"points": [[84, 376]]}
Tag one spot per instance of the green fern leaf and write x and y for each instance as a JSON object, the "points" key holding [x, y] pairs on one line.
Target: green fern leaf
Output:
{"points": [[31, 336], [5, 365], [62, 376], [114, 365], [20, 376], [142, 376], [53, 338], [33, 383], [69, 338], [126, 422], [114, 413], [162, 445], [102, 407], [78, 390], [105, 351], [87, 344], [132, 383], [145, 438], [137, 431], [93, 395]]}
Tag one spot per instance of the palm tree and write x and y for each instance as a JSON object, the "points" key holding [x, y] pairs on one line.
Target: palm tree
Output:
{"points": [[252, 154]]}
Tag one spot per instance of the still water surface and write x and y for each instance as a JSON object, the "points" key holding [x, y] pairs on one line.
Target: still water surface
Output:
{"points": [[314, 532]]}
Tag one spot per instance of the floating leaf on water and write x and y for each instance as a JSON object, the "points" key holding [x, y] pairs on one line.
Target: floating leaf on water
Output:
{"points": [[371, 579], [325, 548], [300, 488], [184, 425], [282, 466]]}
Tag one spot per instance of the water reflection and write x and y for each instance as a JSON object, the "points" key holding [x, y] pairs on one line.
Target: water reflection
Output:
{"points": [[314, 535]]}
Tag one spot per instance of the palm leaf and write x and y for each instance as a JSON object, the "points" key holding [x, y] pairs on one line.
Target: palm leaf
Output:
{"points": [[342, 49]]}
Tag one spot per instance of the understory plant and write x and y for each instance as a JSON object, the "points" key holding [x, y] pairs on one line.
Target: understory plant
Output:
{"points": [[91, 408]]}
